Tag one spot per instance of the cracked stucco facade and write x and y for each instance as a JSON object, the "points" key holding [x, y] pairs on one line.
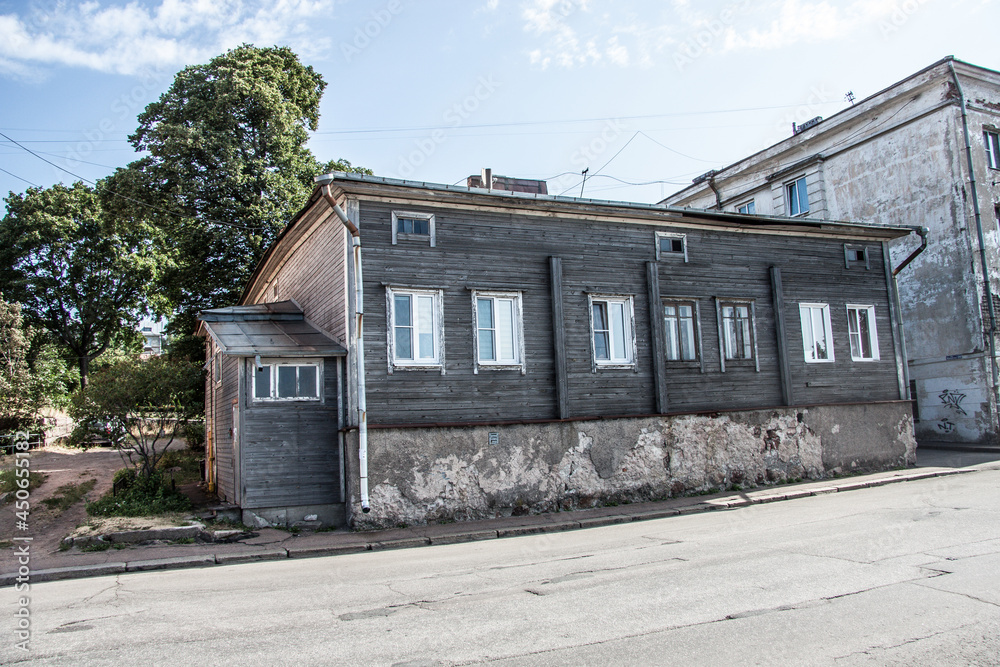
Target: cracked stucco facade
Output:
{"points": [[425, 475]]}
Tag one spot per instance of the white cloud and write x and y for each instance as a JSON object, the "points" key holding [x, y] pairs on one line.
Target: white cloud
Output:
{"points": [[132, 38], [639, 33]]}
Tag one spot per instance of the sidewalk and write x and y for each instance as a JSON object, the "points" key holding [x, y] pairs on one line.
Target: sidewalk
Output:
{"points": [[274, 544]]}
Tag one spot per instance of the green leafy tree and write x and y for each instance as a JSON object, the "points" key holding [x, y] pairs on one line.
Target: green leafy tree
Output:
{"points": [[146, 403], [227, 167], [18, 398], [78, 273]]}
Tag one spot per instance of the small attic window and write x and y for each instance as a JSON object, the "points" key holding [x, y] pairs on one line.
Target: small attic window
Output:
{"points": [[670, 244], [411, 226], [856, 255]]}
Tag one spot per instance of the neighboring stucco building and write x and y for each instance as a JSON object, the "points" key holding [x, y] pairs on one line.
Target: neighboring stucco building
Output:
{"points": [[527, 353], [900, 157]]}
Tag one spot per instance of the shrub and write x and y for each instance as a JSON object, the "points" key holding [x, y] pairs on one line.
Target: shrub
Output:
{"points": [[194, 435]]}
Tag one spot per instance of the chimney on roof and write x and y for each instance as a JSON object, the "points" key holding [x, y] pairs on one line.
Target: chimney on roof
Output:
{"points": [[486, 180]]}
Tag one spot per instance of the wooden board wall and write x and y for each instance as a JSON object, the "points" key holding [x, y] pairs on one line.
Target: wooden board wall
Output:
{"points": [[504, 251]]}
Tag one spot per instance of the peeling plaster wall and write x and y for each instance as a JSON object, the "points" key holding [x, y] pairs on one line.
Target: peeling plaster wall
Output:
{"points": [[421, 475]]}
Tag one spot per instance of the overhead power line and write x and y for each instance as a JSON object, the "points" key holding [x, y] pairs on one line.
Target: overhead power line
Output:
{"points": [[126, 198]]}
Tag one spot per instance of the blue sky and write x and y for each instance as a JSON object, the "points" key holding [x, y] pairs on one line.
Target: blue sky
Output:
{"points": [[637, 91]]}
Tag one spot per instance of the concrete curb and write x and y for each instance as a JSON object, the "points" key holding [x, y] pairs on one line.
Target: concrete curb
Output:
{"points": [[357, 542]]}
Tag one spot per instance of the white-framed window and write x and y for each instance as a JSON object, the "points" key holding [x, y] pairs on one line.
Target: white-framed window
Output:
{"points": [[680, 322], [992, 143], [612, 331], [415, 329], [408, 225], [796, 197], [862, 332], [671, 244], [287, 379], [817, 333], [737, 329], [750, 208], [499, 341]]}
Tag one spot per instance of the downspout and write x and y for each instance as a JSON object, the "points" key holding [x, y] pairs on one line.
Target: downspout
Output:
{"points": [[718, 195], [982, 245], [922, 231], [359, 344]]}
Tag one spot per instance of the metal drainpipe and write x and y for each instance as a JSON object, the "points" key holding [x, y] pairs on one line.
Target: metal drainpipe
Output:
{"points": [[982, 245], [715, 189], [359, 344]]}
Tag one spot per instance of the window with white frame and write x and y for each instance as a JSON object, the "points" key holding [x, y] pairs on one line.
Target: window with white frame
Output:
{"points": [[862, 333], [750, 208], [287, 380], [796, 197], [671, 244], [817, 334], [499, 340], [737, 329], [679, 322], [611, 326], [408, 225], [992, 142], [414, 327]]}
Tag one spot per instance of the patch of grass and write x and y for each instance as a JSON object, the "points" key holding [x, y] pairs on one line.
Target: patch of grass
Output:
{"points": [[8, 481], [226, 524], [68, 495], [96, 546], [183, 540], [6, 544], [118, 546], [144, 496]]}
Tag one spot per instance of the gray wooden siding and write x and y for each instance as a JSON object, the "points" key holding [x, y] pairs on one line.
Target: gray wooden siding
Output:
{"points": [[315, 276], [485, 250], [224, 454], [291, 450]]}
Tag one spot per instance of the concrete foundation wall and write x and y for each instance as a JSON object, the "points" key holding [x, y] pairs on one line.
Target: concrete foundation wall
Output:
{"points": [[420, 475]]}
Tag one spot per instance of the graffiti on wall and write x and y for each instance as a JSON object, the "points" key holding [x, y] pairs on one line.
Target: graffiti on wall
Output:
{"points": [[946, 426], [953, 399]]}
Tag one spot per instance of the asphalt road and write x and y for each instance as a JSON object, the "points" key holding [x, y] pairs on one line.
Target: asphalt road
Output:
{"points": [[903, 574]]}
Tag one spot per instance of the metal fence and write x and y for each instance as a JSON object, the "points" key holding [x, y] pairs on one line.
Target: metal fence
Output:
{"points": [[35, 440]]}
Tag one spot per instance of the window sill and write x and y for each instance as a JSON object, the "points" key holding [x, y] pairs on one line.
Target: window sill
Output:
{"points": [[416, 367], [821, 361], [613, 366], [500, 367], [865, 360]]}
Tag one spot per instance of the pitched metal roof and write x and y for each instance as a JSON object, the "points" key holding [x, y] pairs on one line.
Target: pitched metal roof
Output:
{"points": [[270, 330]]}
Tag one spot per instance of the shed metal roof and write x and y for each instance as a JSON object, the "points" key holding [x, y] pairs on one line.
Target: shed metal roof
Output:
{"points": [[269, 330]]}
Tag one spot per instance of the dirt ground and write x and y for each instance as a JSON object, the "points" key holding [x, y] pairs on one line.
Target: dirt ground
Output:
{"points": [[66, 466]]}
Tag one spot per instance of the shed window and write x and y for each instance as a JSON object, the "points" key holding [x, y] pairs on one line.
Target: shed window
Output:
{"points": [[861, 331], [817, 334], [612, 329], [286, 380], [679, 324], [797, 197]]}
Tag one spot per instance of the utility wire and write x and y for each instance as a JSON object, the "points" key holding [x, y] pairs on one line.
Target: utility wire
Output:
{"points": [[18, 177], [126, 198]]}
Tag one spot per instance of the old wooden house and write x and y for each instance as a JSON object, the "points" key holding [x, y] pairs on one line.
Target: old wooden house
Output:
{"points": [[524, 352]]}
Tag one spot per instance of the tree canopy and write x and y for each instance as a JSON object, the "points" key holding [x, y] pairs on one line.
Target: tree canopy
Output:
{"points": [[227, 167], [77, 273]]}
